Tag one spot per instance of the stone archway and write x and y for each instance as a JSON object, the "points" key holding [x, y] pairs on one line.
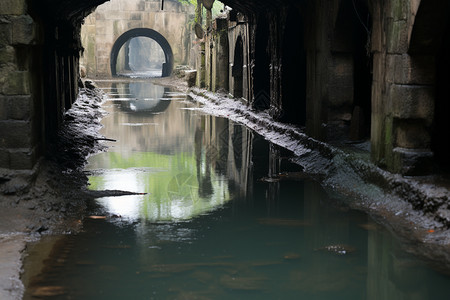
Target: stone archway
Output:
{"points": [[143, 32]]}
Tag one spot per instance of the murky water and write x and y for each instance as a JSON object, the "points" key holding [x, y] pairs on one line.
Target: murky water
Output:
{"points": [[212, 221]]}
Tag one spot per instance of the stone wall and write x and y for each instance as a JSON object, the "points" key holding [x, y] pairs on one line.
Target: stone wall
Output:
{"points": [[114, 18], [370, 73], [20, 98]]}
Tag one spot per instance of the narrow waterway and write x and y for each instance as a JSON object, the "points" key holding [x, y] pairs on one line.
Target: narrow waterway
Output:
{"points": [[221, 214]]}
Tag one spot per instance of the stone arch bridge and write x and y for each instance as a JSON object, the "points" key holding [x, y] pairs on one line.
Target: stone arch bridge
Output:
{"points": [[118, 19], [387, 57]]}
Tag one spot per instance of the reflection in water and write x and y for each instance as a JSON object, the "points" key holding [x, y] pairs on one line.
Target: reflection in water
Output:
{"points": [[154, 154], [226, 217]]}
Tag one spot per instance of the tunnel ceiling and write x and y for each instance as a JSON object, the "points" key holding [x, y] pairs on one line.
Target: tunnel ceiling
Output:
{"points": [[252, 6], [76, 10], [70, 10]]}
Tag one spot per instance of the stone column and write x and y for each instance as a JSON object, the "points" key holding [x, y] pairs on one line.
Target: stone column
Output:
{"points": [[402, 98], [19, 131]]}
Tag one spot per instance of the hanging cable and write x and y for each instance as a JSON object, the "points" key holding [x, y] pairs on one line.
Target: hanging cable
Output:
{"points": [[359, 18], [162, 4]]}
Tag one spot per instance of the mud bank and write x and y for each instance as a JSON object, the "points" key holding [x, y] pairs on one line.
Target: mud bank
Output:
{"points": [[414, 209], [51, 197]]}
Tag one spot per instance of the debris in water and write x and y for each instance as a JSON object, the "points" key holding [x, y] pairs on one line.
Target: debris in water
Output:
{"points": [[291, 256], [337, 249], [97, 217], [269, 179], [49, 291]]}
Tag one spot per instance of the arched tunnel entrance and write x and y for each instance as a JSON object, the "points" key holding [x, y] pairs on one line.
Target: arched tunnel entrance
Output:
{"points": [[133, 51]]}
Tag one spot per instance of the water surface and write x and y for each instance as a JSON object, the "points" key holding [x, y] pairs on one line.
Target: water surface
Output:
{"points": [[221, 214]]}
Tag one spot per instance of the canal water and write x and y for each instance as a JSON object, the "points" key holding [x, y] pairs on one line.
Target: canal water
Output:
{"points": [[220, 214]]}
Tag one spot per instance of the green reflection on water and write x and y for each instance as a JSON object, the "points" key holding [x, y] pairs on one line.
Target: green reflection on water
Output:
{"points": [[172, 185]]}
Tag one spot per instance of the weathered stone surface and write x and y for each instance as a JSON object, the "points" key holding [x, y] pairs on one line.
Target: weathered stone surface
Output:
{"points": [[24, 32], [22, 159], [400, 10], [398, 37], [7, 55], [4, 159], [12, 7], [412, 135], [5, 34], [15, 108], [411, 70], [15, 134], [413, 102], [17, 83]]}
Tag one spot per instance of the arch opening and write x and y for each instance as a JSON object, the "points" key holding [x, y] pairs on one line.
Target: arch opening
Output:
{"points": [[350, 93], [141, 52]]}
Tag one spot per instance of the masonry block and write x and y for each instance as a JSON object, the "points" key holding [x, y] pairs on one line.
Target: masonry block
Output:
{"points": [[12, 7], [17, 83], [22, 159], [400, 10], [15, 108], [24, 31], [15, 134], [412, 134], [20, 108], [405, 69], [398, 37], [5, 33], [413, 102], [4, 159], [7, 55]]}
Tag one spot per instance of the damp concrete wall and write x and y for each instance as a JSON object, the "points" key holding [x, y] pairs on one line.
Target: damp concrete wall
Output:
{"points": [[116, 17], [372, 73]]}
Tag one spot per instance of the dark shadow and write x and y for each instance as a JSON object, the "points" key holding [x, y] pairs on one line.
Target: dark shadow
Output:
{"points": [[441, 127], [261, 71], [238, 68], [293, 76]]}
